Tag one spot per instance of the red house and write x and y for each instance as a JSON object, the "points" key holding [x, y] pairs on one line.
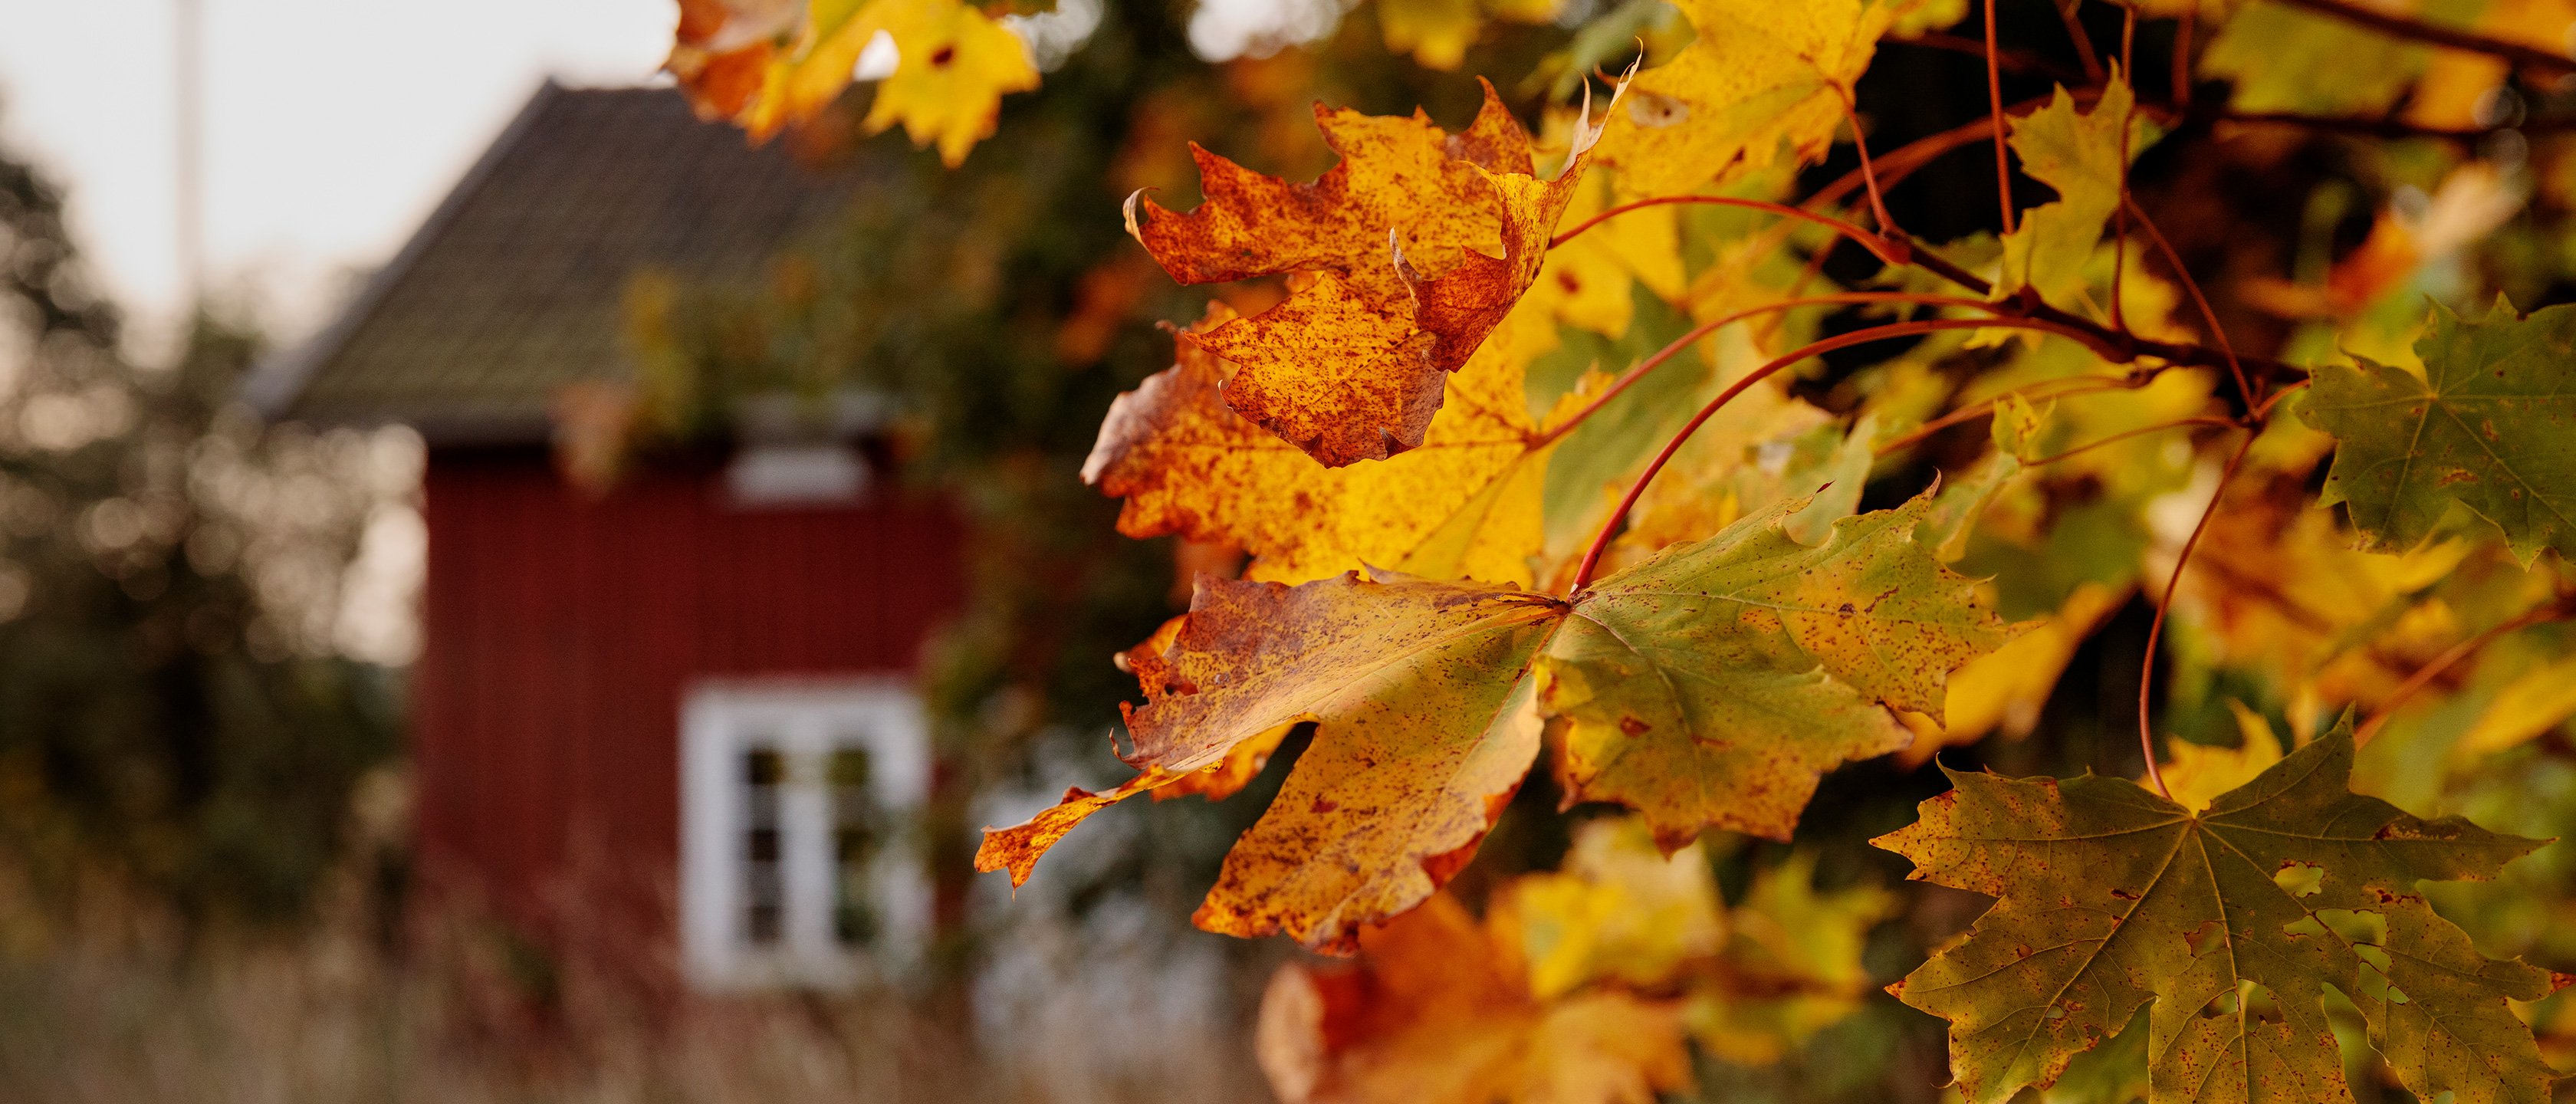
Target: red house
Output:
{"points": [[693, 691]]}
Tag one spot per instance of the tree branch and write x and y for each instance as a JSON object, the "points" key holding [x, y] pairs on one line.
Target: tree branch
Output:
{"points": [[2399, 26]]}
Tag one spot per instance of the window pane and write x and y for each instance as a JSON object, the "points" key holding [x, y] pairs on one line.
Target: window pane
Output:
{"points": [[858, 833], [764, 883]]}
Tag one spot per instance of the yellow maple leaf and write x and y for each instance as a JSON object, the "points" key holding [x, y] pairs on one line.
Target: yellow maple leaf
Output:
{"points": [[2080, 155], [2533, 703], [2198, 773], [1761, 74], [1586, 281], [953, 65], [1620, 909], [2277, 588]]}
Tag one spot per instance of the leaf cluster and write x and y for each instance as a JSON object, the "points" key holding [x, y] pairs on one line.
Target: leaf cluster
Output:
{"points": [[1688, 446]]}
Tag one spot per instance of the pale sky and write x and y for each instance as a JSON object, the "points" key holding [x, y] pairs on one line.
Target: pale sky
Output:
{"points": [[332, 126]]}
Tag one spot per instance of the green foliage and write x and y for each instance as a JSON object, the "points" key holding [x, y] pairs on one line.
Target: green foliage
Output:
{"points": [[2486, 426], [2234, 922]]}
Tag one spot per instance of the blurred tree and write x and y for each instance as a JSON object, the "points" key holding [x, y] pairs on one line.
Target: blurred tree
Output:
{"points": [[172, 708]]}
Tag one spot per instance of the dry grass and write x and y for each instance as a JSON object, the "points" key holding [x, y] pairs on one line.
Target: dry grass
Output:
{"points": [[113, 1001]]}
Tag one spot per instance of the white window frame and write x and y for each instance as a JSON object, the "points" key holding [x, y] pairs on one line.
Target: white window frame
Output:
{"points": [[804, 720]]}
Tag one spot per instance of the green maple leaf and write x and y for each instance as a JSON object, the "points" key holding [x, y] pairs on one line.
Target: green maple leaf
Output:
{"points": [[2233, 922], [2487, 426], [2080, 156], [1712, 684]]}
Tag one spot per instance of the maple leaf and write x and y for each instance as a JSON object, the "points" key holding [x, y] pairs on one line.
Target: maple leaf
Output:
{"points": [[1463, 504], [1410, 251], [2080, 155], [1761, 74], [1422, 733], [2484, 427], [721, 51], [1713, 684], [1427, 697], [1439, 1012], [1620, 910], [769, 64], [1590, 280], [1577, 986], [953, 66], [2233, 922], [2198, 773]]}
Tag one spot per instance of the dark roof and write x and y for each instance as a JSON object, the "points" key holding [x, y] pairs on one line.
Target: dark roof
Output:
{"points": [[513, 287]]}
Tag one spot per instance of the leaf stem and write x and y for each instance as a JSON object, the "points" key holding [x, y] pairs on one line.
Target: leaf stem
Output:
{"points": [[1867, 240], [1868, 176], [1632, 375], [1601, 540], [2124, 435], [2156, 628], [1995, 100]]}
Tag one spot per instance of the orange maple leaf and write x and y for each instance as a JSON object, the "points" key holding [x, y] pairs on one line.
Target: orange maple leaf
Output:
{"points": [[1406, 254]]}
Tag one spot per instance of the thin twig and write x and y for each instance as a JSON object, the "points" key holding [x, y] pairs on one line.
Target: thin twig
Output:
{"points": [[1609, 527], [2129, 45], [2382, 128], [1995, 101], [2554, 611], [2120, 215], [1976, 410], [2156, 628], [2124, 435], [2083, 42], [1867, 240], [2181, 90], [1711, 326], [2264, 412], [2217, 334], [2399, 26], [1901, 162]]}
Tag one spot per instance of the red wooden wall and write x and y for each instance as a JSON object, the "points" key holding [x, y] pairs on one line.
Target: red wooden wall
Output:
{"points": [[560, 632]]}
